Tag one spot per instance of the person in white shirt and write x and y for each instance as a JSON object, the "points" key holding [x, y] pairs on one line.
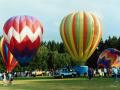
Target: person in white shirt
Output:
{"points": [[115, 72], [94, 72], [105, 72], [4, 79], [100, 72]]}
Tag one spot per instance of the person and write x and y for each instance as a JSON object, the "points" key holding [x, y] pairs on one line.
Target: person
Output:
{"points": [[4, 79], [100, 72], [108, 72], [1, 76], [94, 72], [15, 74], [90, 73], [115, 72], [105, 72], [10, 77]]}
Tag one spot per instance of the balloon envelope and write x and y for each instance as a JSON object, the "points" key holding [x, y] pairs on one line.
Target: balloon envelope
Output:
{"points": [[23, 35], [7, 58], [109, 58], [81, 33]]}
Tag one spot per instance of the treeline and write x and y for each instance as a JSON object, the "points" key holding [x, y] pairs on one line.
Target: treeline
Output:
{"points": [[52, 55]]}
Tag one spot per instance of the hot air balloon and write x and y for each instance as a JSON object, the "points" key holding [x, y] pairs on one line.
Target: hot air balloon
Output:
{"points": [[23, 35], [109, 58], [7, 58], [81, 33]]}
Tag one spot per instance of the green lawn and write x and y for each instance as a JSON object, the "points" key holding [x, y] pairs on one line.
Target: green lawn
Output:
{"points": [[62, 84]]}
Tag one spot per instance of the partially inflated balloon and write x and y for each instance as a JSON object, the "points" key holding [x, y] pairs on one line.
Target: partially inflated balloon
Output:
{"points": [[23, 35], [7, 58], [81, 33], [109, 58]]}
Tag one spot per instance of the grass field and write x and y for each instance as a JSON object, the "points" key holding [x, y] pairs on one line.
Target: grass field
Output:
{"points": [[62, 84]]}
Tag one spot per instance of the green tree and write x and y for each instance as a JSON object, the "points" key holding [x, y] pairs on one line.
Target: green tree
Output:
{"points": [[40, 59]]}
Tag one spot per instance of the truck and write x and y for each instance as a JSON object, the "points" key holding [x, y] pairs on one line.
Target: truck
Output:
{"points": [[65, 72]]}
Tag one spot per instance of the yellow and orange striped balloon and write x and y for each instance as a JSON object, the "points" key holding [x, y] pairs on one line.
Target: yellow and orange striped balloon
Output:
{"points": [[81, 33]]}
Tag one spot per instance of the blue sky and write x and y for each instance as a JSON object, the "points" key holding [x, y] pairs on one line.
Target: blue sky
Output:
{"points": [[51, 12]]}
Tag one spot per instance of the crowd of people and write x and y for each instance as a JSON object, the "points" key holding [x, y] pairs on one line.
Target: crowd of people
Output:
{"points": [[103, 72]]}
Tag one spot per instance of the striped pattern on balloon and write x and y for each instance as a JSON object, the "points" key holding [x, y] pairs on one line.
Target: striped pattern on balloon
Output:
{"points": [[81, 33], [7, 57]]}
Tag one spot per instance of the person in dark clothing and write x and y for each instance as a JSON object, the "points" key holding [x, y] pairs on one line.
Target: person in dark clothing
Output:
{"points": [[90, 73]]}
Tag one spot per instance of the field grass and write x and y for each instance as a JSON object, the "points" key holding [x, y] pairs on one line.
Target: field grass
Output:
{"points": [[62, 84]]}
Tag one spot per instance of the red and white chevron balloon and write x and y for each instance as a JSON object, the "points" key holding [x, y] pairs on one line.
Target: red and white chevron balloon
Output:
{"points": [[23, 35]]}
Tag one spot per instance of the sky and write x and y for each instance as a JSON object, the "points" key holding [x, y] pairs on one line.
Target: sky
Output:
{"points": [[51, 12]]}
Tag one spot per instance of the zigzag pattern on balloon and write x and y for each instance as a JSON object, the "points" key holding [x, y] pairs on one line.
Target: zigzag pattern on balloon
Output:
{"points": [[23, 36], [25, 32], [108, 56], [22, 46], [19, 22]]}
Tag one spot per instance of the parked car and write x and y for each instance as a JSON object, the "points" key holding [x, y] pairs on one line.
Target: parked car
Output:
{"points": [[37, 73], [65, 72]]}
